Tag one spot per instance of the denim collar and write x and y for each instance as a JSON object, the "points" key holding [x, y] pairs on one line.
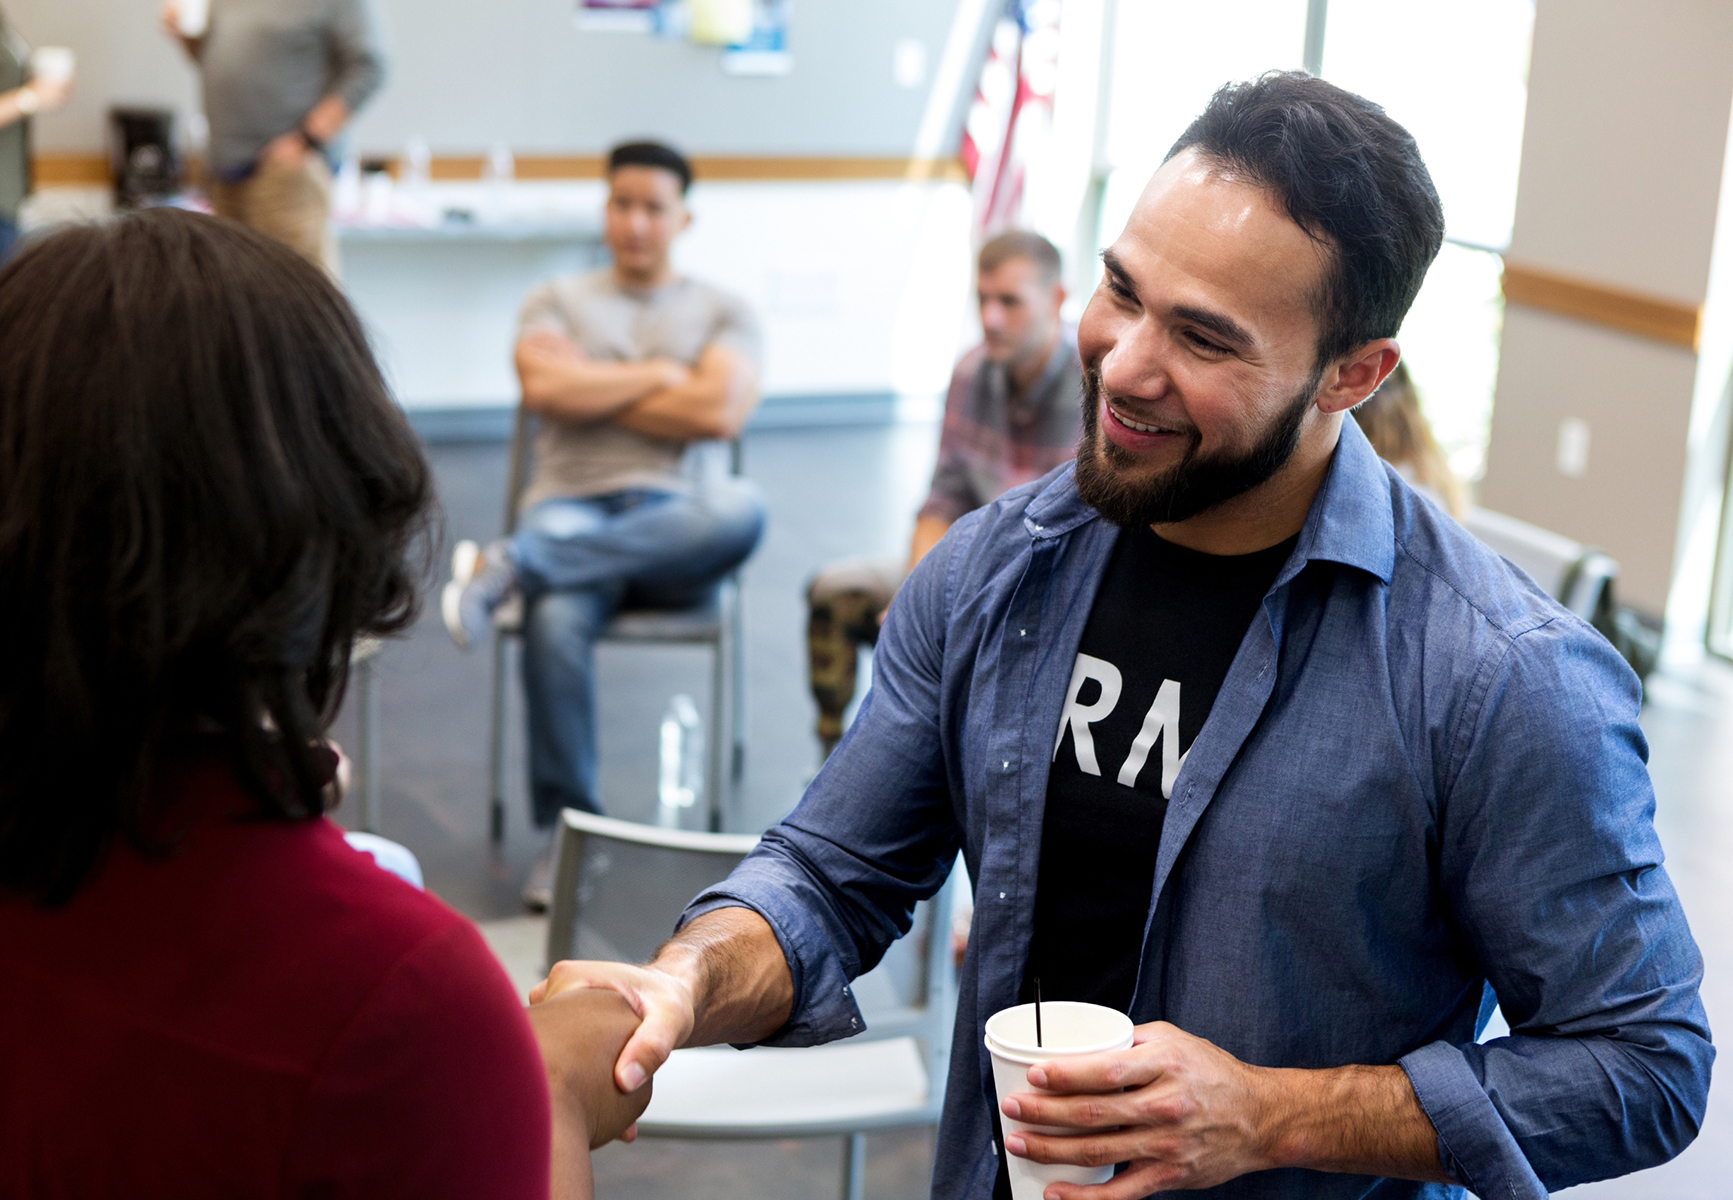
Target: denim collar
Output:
{"points": [[1350, 520]]}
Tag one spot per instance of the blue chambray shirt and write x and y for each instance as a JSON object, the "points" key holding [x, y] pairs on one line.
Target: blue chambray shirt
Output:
{"points": [[1421, 776]]}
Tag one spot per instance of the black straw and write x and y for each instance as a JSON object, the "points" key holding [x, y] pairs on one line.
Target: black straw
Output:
{"points": [[1038, 1041]]}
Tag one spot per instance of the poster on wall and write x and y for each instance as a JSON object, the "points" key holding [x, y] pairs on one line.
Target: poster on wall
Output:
{"points": [[753, 34], [618, 16], [764, 50]]}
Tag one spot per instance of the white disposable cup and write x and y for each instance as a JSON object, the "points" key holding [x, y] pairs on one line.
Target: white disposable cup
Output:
{"points": [[193, 17], [1069, 1029], [53, 64]]}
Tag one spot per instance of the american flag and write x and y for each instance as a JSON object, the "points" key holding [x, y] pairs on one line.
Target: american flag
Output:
{"points": [[1012, 115]]}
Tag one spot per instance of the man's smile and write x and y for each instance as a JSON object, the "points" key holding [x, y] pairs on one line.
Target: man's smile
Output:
{"points": [[1124, 430]]}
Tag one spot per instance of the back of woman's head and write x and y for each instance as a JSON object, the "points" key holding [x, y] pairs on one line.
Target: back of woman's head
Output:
{"points": [[206, 494]]}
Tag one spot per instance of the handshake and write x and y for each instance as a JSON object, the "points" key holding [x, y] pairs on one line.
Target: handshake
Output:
{"points": [[606, 1027]]}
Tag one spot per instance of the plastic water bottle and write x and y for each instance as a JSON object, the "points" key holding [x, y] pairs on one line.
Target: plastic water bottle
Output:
{"points": [[680, 778]]}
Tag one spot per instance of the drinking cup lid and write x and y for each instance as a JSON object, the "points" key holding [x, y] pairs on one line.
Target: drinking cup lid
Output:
{"points": [[1068, 1028]]}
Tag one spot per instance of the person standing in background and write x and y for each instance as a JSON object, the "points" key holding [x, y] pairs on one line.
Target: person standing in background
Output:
{"points": [[21, 97], [282, 78]]}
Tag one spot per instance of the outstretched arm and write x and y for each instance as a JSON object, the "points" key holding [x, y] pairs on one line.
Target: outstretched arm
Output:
{"points": [[579, 1034], [712, 402], [556, 379], [722, 978], [170, 16]]}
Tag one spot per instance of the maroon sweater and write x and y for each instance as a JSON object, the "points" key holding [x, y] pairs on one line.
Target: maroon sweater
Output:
{"points": [[264, 1013]]}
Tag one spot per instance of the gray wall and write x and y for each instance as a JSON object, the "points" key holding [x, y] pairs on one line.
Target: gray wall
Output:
{"points": [[471, 73], [1622, 156]]}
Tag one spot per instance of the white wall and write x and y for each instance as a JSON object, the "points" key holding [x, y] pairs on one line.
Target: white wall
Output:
{"points": [[467, 75], [862, 288], [1625, 138]]}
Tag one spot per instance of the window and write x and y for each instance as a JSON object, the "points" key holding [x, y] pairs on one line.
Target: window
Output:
{"points": [[1456, 76]]}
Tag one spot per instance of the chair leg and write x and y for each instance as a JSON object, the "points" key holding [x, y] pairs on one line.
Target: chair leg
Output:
{"points": [[737, 711], [717, 746], [854, 1166], [367, 781], [496, 747]]}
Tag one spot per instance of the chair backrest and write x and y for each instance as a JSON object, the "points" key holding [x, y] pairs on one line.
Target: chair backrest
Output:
{"points": [[1577, 576], [619, 887]]}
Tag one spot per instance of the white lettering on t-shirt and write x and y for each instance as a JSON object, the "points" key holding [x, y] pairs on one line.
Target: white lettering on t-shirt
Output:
{"points": [[1160, 722], [1078, 717]]}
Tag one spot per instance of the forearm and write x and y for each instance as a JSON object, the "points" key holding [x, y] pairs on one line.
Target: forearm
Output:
{"points": [[582, 390], [712, 402], [929, 530], [10, 109], [571, 1174], [326, 119], [700, 408], [1357, 1120], [742, 988]]}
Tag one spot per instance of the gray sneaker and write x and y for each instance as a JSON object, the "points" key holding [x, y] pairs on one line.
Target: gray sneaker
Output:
{"points": [[481, 580], [539, 887]]}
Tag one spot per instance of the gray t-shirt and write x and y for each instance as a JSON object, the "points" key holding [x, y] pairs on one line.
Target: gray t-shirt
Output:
{"points": [[266, 63], [678, 320], [14, 138]]}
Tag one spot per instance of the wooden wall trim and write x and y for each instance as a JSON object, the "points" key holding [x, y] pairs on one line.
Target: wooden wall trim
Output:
{"points": [[92, 169], [70, 170], [715, 167], [1657, 318]]}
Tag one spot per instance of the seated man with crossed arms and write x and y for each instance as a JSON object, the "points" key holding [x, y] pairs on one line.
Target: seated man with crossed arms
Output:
{"points": [[627, 366]]}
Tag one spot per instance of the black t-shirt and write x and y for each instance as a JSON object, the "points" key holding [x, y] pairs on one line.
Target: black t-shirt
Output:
{"points": [[1164, 630]]}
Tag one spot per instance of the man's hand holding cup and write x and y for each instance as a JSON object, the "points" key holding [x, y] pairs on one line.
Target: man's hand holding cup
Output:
{"points": [[1182, 1112]]}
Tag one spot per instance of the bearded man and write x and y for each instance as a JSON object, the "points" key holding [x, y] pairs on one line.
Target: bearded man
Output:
{"points": [[1241, 736]]}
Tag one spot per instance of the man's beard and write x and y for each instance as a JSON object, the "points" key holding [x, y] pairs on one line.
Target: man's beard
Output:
{"points": [[1106, 471]]}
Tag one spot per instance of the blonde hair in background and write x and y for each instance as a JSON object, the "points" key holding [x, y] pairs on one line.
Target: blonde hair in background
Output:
{"points": [[1399, 432]]}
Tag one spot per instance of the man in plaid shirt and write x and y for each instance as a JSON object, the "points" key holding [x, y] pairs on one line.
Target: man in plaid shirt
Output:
{"points": [[1012, 414]]}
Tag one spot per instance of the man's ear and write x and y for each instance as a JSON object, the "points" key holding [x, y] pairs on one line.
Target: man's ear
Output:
{"points": [[1356, 375]]}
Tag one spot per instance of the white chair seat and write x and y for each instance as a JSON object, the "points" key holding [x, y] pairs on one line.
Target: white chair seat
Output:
{"points": [[701, 623], [771, 1092]]}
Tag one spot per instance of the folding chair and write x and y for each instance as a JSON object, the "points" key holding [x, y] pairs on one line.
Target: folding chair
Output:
{"points": [[718, 624], [1577, 576], [366, 756], [618, 889]]}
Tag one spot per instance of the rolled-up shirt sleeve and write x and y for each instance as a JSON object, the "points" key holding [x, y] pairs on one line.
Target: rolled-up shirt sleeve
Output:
{"points": [[358, 52], [875, 834], [1549, 857]]}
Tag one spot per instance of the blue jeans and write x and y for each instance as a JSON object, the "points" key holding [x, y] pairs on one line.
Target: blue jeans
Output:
{"points": [[578, 561]]}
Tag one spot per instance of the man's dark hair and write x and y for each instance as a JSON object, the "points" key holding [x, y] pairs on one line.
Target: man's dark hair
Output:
{"points": [[1020, 243], [651, 154], [206, 495], [1349, 176]]}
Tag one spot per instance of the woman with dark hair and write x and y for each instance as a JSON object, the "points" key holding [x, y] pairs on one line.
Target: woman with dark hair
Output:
{"points": [[206, 495], [1396, 425]]}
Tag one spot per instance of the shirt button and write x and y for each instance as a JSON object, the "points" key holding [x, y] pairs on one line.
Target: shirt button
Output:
{"points": [[1001, 895], [1007, 766], [1022, 633]]}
